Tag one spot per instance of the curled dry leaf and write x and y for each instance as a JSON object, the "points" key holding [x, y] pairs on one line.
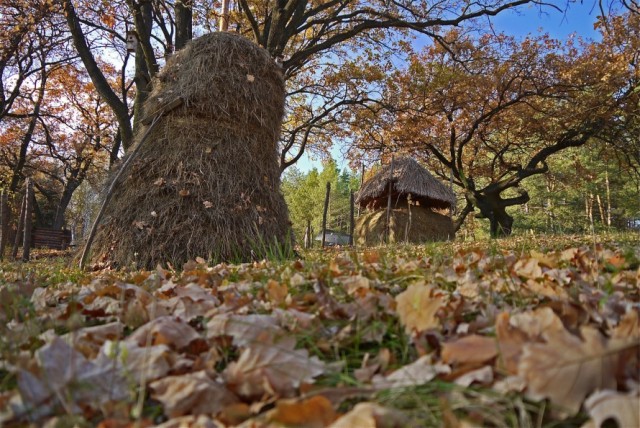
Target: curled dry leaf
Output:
{"points": [[417, 307], [419, 372], [371, 415], [191, 393], [483, 375], [89, 340], [272, 368], [567, 368], [607, 404], [472, 349]]}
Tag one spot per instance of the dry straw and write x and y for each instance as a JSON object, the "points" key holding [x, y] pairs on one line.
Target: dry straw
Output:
{"points": [[205, 183]]}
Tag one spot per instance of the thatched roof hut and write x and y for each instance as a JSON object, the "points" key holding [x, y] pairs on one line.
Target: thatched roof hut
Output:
{"points": [[206, 181], [425, 219], [409, 177]]}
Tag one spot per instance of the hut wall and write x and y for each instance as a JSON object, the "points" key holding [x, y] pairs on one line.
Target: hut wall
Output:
{"points": [[426, 225]]}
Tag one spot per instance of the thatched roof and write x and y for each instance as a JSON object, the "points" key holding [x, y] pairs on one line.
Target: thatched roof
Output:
{"points": [[408, 177]]}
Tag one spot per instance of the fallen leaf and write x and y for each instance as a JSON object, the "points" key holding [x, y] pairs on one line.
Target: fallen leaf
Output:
{"points": [[510, 341], [472, 349], [184, 192], [483, 376], [419, 372], [315, 412], [417, 307], [245, 329], [566, 368], [277, 292], [371, 415], [165, 330], [608, 404], [150, 362], [191, 393], [272, 368]]}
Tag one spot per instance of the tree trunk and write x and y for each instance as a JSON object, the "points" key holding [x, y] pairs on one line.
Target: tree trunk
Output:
{"points": [[28, 222], [4, 212], [352, 222], [493, 208], [65, 199], [142, 77], [184, 23], [101, 84], [324, 214], [387, 223]]}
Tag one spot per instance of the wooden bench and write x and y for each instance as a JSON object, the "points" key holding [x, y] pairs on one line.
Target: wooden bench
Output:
{"points": [[49, 238]]}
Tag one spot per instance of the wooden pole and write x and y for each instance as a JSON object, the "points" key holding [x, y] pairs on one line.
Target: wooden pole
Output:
{"points": [[308, 237], [19, 235], [324, 214], [4, 212], [388, 220], [28, 208], [224, 17], [352, 221]]}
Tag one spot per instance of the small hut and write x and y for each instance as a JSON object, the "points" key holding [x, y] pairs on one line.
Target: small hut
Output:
{"points": [[420, 206], [206, 181]]}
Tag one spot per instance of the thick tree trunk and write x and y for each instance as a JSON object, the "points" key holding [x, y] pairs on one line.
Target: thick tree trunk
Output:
{"points": [[494, 208], [184, 23], [67, 194], [142, 77]]}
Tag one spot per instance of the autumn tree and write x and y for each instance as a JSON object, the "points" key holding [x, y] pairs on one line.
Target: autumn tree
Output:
{"points": [[487, 113]]}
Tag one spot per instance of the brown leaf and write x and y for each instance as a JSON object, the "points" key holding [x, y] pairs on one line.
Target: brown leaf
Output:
{"points": [[371, 415], [191, 393], [483, 376], [567, 368], [315, 412], [277, 292], [152, 362], [245, 329], [184, 193], [472, 349], [510, 341], [417, 307], [272, 368], [165, 330], [607, 404], [419, 372]]}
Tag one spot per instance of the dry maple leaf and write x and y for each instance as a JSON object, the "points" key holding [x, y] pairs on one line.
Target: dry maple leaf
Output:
{"points": [[472, 349], [417, 307], [566, 368], [272, 368], [607, 404], [191, 393], [150, 362]]}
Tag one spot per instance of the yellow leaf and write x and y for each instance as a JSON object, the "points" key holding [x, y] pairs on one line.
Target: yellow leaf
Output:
{"points": [[417, 307], [314, 412]]}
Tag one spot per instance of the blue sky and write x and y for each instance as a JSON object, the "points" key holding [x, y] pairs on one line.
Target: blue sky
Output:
{"points": [[576, 18]]}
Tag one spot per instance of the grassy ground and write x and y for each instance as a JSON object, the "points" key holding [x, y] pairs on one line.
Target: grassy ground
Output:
{"points": [[516, 332]]}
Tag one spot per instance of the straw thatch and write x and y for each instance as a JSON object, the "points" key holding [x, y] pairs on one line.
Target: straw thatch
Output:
{"points": [[422, 225], [408, 178], [206, 181]]}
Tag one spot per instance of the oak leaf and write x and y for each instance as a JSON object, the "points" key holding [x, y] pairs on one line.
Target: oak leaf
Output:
{"points": [[245, 329], [166, 330], [470, 349], [417, 307], [272, 368], [567, 368], [191, 393]]}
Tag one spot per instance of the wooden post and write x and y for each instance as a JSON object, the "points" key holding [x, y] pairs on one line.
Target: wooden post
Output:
{"points": [[388, 220], [352, 222], [19, 235], [308, 238], [224, 17], [324, 214], [4, 212], [28, 208]]}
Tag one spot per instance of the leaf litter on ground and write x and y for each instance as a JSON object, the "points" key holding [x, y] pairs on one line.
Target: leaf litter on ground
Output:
{"points": [[510, 333]]}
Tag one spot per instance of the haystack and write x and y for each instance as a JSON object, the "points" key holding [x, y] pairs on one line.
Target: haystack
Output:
{"points": [[421, 206], [205, 183]]}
